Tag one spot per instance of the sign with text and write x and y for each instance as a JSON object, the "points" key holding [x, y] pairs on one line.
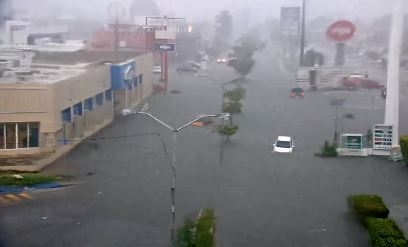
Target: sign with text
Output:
{"points": [[165, 47], [290, 20], [341, 31]]}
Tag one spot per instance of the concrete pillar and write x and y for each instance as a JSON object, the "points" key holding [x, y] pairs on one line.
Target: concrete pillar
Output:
{"points": [[393, 86]]}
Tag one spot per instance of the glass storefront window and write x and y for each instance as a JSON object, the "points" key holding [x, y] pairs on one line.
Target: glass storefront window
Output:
{"points": [[2, 137], [34, 135], [10, 135], [19, 135], [22, 135]]}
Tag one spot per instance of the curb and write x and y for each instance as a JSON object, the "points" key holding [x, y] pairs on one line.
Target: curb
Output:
{"points": [[7, 189]]}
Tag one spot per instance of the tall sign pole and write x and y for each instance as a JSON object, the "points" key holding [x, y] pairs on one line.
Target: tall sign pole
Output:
{"points": [[339, 32], [394, 51], [303, 33]]}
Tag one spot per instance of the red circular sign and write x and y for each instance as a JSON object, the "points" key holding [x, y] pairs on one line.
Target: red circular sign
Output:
{"points": [[341, 31]]}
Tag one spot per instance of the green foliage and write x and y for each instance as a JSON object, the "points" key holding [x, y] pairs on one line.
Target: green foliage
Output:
{"points": [[185, 235], [328, 150], [385, 233], [236, 94], [364, 206], [242, 54], [205, 229], [25, 179], [227, 130], [199, 233], [232, 107], [404, 147]]}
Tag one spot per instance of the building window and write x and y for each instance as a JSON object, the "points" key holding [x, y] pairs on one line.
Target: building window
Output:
{"points": [[22, 135], [99, 99], [34, 134], [11, 136], [2, 136], [77, 109], [66, 115], [135, 82], [108, 95], [88, 105], [141, 79], [19, 135]]}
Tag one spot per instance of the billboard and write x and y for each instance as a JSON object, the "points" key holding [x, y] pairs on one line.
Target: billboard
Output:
{"points": [[290, 21], [176, 25]]}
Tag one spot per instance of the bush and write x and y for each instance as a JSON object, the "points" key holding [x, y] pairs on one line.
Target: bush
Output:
{"points": [[200, 233], [227, 130], [185, 235], [205, 229], [365, 206], [232, 107], [26, 179], [404, 147], [328, 150], [385, 233]]}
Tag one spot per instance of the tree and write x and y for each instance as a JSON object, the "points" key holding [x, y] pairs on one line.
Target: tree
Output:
{"points": [[241, 57]]}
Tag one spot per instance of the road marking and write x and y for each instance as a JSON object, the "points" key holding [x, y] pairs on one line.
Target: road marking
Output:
{"points": [[12, 197], [26, 196], [3, 200]]}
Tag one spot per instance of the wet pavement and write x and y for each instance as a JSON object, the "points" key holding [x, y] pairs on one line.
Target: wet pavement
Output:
{"points": [[260, 198]]}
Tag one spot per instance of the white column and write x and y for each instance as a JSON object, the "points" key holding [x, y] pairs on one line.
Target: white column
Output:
{"points": [[394, 51]]}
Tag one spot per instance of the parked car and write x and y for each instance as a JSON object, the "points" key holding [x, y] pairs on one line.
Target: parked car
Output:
{"points": [[186, 68], [193, 64], [157, 69], [284, 144], [297, 93], [357, 80]]}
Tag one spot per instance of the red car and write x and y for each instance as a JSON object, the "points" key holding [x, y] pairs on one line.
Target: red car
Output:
{"points": [[297, 93], [356, 81]]}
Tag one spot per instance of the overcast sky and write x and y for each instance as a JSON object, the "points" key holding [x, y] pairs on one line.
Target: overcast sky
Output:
{"points": [[206, 9]]}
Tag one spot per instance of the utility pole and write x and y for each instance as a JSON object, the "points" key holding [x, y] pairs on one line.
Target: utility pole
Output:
{"points": [[302, 35], [114, 8]]}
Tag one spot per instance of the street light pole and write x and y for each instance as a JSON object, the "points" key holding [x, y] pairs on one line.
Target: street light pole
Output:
{"points": [[174, 158]]}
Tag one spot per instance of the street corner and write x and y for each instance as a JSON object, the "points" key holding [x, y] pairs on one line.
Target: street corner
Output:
{"points": [[11, 199]]}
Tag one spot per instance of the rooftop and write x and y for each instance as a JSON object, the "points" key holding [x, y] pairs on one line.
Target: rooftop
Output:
{"points": [[52, 67]]}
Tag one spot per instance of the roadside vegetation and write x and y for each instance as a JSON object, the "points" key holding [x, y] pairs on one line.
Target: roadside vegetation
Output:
{"points": [[328, 150], [27, 179], [199, 233], [372, 212]]}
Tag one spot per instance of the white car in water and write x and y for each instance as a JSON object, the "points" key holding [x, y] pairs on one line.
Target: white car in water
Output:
{"points": [[284, 144]]}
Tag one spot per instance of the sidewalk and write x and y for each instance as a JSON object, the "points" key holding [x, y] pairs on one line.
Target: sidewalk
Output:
{"points": [[37, 162], [399, 214]]}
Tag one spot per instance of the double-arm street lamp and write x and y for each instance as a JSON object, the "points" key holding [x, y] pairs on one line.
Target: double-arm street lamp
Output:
{"points": [[129, 111]]}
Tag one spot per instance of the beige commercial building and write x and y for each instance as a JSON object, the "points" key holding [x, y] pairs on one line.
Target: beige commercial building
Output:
{"points": [[61, 98]]}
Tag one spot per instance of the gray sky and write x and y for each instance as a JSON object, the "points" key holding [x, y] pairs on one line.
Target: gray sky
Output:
{"points": [[200, 10]]}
